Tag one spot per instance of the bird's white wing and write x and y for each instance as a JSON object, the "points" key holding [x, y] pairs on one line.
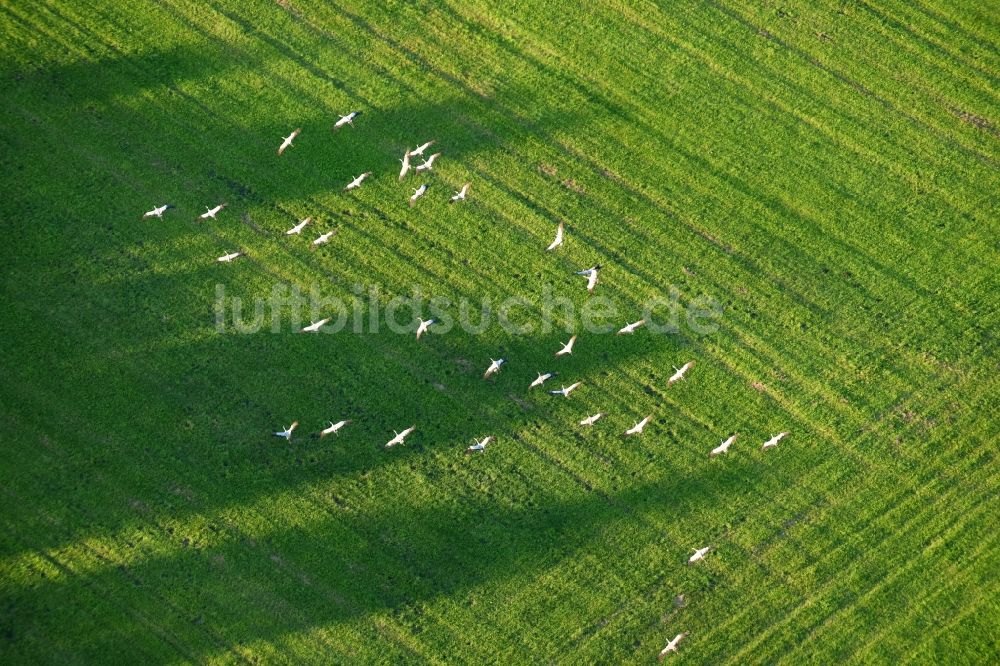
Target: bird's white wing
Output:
{"points": [[558, 239]]}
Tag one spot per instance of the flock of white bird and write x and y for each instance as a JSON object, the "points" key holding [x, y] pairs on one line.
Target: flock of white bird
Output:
{"points": [[495, 364], [426, 165]]}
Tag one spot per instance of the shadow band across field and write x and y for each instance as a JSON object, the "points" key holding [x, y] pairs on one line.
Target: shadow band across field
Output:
{"points": [[343, 558], [391, 561], [320, 161], [232, 402]]}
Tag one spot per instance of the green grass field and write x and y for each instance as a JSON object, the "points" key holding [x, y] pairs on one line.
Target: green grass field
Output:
{"points": [[828, 172]]}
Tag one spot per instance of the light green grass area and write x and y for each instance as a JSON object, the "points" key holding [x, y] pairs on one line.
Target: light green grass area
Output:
{"points": [[829, 172]]}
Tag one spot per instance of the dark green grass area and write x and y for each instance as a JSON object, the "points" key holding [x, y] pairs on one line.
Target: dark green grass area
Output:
{"points": [[827, 172]]}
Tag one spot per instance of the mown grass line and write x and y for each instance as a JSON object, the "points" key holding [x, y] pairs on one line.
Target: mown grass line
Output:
{"points": [[925, 594], [881, 548], [890, 503], [79, 560], [945, 630], [108, 559], [912, 21], [728, 554], [759, 600], [905, 578], [867, 92], [737, 620], [949, 15], [704, 49], [873, 41], [789, 621]]}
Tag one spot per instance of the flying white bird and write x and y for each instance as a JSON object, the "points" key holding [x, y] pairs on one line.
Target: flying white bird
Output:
{"points": [[357, 181], [400, 436], [567, 348], [672, 645], [774, 440], [591, 274], [287, 141], [591, 420], [324, 238], [417, 193], [479, 445], [494, 367], [287, 432], [628, 328], [315, 326], [226, 258], [406, 165], [638, 427], [566, 390], [333, 428], [461, 194], [419, 150], [679, 372], [297, 229], [346, 120], [559, 237], [541, 379], [423, 326], [699, 554], [427, 164], [211, 212], [722, 448], [157, 212]]}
